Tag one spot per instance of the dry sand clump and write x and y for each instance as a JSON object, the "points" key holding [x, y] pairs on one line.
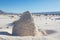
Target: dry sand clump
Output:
{"points": [[24, 26]]}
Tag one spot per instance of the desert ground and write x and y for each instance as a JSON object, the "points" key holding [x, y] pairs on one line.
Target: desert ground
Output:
{"points": [[50, 24]]}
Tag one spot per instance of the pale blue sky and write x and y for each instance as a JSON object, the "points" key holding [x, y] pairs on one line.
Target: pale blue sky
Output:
{"points": [[19, 6]]}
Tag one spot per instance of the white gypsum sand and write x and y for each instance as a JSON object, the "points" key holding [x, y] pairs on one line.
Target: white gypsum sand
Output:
{"points": [[42, 22]]}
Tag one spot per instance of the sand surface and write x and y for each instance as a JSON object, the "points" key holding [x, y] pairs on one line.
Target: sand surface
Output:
{"points": [[47, 23]]}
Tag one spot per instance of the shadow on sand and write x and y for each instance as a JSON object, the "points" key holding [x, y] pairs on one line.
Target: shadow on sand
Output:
{"points": [[48, 32], [5, 33], [51, 32]]}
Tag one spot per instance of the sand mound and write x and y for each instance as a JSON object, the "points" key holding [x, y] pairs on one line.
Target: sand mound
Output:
{"points": [[25, 25]]}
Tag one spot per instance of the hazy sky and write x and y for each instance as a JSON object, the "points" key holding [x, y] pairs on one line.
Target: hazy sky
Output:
{"points": [[20, 6]]}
